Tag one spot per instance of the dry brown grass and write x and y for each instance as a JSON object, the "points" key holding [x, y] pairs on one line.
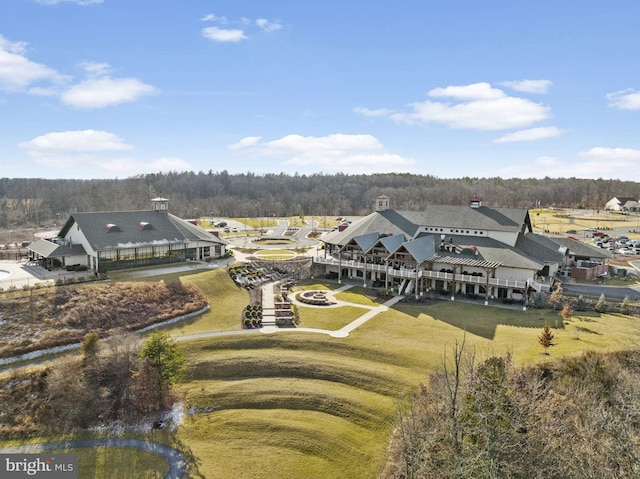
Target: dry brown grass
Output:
{"points": [[63, 315]]}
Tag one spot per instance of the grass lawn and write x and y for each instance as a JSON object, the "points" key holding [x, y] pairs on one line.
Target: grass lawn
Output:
{"points": [[275, 254], [101, 462], [560, 221], [119, 462], [357, 295], [301, 405], [328, 318], [323, 406]]}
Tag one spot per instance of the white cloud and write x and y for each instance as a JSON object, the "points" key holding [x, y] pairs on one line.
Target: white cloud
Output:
{"points": [[477, 106], [214, 18], [598, 163], [628, 99], [76, 148], [268, 26], [611, 154], [337, 152], [17, 72], [91, 150], [96, 69], [77, 2], [75, 141], [372, 113], [223, 35], [245, 143], [105, 91], [530, 134], [529, 86], [475, 91]]}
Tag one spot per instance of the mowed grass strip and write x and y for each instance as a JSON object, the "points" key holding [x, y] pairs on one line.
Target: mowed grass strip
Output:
{"points": [[226, 301], [322, 408], [356, 405], [101, 462], [318, 317], [283, 444], [355, 371]]}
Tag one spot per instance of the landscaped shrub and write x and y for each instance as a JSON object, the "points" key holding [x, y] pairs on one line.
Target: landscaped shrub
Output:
{"points": [[601, 306], [580, 304], [624, 306], [539, 300]]}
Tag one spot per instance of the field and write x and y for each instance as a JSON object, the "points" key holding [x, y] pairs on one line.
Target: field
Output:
{"points": [[561, 221], [295, 404]]}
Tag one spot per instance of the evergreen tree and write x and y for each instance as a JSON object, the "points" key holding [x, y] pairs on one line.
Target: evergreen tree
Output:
{"points": [[546, 338], [165, 357], [601, 305], [624, 306]]}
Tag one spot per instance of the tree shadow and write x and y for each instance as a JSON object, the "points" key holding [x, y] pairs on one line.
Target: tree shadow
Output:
{"points": [[482, 320]]}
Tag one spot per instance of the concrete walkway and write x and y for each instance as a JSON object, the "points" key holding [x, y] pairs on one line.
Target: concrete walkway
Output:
{"points": [[177, 462], [267, 303]]}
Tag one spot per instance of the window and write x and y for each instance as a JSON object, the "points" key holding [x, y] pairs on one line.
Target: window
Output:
{"points": [[112, 228]]}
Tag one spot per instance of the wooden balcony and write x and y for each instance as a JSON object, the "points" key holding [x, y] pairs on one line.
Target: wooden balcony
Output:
{"points": [[412, 274]]}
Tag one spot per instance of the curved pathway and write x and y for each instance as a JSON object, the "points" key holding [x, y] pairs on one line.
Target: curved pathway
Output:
{"points": [[177, 462]]}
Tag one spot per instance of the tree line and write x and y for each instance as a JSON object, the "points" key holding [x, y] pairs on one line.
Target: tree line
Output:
{"points": [[37, 201]]}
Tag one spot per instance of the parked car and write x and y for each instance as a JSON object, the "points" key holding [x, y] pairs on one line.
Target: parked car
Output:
{"points": [[234, 230], [226, 229]]}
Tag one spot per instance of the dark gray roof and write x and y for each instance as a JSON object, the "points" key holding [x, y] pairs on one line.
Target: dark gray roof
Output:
{"points": [[48, 249], [493, 251], [392, 243], [387, 222], [624, 199], [422, 248], [482, 218], [441, 216], [128, 229], [584, 250], [366, 242], [540, 247]]}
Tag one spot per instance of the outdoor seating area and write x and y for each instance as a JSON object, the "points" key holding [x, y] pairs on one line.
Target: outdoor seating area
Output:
{"points": [[314, 298]]}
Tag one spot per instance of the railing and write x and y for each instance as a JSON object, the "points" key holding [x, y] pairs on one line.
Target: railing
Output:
{"points": [[411, 274]]}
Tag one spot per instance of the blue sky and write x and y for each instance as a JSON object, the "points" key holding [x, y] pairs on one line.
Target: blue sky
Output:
{"points": [[450, 88]]}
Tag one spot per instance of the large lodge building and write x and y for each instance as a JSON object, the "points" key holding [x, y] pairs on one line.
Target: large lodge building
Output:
{"points": [[115, 240], [473, 250]]}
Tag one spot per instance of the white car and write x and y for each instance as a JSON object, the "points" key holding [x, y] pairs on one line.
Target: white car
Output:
{"points": [[625, 251], [234, 230]]}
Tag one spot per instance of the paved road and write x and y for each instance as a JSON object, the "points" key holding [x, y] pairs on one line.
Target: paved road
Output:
{"points": [[177, 463], [616, 292]]}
